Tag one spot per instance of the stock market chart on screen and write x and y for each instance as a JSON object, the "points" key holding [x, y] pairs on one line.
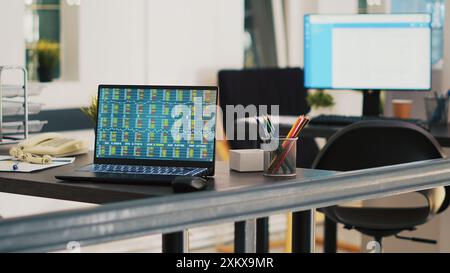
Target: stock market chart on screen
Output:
{"points": [[156, 124]]}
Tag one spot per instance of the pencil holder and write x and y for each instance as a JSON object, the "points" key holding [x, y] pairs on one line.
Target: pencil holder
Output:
{"points": [[282, 158]]}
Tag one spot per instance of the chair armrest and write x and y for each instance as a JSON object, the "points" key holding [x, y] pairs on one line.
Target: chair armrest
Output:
{"points": [[329, 212], [435, 198]]}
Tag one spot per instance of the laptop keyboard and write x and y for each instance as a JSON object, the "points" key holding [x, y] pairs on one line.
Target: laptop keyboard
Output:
{"points": [[146, 170]]}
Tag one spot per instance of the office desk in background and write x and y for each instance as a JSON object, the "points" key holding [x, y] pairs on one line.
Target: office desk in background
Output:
{"points": [[438, 131]]}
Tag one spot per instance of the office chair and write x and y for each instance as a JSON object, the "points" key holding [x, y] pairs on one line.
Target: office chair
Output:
{"points": [[371, 144], [267, 86]]}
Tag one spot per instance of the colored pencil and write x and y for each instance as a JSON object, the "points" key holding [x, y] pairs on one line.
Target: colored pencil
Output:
{"points": [[291, 133], [290, 144], [269, 129]]}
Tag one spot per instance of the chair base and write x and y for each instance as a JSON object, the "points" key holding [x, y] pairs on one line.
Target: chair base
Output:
{"points": [[379, 233]]}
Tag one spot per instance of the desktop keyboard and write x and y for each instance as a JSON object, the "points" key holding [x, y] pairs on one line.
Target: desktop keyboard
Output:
{"points": [[144, 170], [335, 120]]}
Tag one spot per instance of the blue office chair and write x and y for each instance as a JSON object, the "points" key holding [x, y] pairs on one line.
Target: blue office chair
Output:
{"points": [[371, 144]]}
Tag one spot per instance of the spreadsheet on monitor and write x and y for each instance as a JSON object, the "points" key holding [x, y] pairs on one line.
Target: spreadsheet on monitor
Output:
{"points": [[377, 51]]}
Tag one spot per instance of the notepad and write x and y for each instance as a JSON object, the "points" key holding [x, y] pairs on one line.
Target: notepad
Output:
{"points": [[7, 163]]}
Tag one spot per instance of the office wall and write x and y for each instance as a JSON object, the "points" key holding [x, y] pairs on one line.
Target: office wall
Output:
{"points": [[188, 41], [70, 48], [11, 32], [112, 41], [12, 45], [336, 7], [295, 11], [151, 41]]}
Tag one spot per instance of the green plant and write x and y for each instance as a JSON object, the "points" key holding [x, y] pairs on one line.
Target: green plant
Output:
{"points": [[47, 53], [319, 99], [91, 110]]}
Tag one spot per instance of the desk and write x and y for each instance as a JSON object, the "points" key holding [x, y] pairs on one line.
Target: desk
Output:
{"points": [[51, 232], [440, 132], [44, 184]]}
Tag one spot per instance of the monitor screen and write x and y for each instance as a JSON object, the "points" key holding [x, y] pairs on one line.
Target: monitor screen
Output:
{"points": [[368, 51], [156, 124]]}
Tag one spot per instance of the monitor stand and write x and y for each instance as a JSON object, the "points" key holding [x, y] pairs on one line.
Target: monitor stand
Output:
{"points": [[371, 103]]}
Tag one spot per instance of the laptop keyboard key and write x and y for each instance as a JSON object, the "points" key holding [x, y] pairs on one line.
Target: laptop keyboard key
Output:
{"points": [[147, 170]]}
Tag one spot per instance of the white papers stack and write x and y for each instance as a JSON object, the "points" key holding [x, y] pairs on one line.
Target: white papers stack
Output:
{"points": [[7, 164]]}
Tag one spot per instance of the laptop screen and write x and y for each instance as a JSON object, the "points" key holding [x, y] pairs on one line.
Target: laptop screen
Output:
{"points": [[156, 124]]}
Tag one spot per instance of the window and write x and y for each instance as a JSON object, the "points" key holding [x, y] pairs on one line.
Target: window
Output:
{"points": [[434, 7], [42, 29], [260, 48]]}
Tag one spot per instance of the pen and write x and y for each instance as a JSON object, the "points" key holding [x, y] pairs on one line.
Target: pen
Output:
{"points": [[15, 166], [61, 160]]}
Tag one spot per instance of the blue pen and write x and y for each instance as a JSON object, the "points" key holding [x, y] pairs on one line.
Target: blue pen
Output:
{"points": [[15, 166]]}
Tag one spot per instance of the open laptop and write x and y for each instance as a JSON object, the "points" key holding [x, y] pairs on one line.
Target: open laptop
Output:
{"points": [[152, 134]]}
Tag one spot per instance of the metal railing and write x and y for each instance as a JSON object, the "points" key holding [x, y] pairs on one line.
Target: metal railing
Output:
{"points": [[112, 222]]}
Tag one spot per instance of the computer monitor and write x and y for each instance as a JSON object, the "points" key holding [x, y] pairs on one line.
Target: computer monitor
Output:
{"points": [[368, 51]]}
